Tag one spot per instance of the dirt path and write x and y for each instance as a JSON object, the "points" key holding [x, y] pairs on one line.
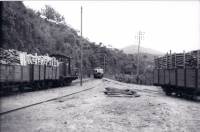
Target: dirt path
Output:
{"points": [[93, 111]]}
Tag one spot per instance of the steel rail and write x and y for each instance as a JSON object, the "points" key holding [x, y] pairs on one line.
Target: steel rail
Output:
{"points": [[23, 107]]}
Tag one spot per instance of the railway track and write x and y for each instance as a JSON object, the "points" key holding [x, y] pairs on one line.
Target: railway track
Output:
{"points": [[27, 106], [34, 104], [16, 91]]}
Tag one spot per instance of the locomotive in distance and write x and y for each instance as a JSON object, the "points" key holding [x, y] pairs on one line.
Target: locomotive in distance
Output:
{"points": [[98, 72]]}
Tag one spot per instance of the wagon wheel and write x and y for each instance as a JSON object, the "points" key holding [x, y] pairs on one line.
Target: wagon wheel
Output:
{"points": [[42, 85], [6, 91], [50, 84], [10, 90], [21, 88], [38, 86], [70, 82], [47, 85], [176, 94], [53, 84], [63, 83], [57, 83], [34, 87], [66, 83], [181, 95], [168, 93], [60, 84]]}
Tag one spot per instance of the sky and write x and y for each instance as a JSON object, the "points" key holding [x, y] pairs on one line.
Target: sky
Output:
{"points": [[168, 25]]}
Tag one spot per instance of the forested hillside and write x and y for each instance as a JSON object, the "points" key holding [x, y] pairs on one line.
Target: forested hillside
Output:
{"points": [[26, 30]]}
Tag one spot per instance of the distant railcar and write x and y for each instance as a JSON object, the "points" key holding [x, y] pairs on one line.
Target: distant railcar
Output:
{"points": [[98, 72]]}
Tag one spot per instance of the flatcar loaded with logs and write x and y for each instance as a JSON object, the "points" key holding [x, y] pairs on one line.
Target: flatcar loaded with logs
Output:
{"points": [[17, 69], [178, 73]]}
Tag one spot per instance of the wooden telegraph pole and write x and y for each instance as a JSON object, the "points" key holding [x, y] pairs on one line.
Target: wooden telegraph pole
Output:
{"points": [[104, 64], [139, 37], [138, 57], [81, 46]]}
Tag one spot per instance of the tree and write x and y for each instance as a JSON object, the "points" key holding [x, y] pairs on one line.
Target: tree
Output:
{"points": [[145, 56], [51, 14]]}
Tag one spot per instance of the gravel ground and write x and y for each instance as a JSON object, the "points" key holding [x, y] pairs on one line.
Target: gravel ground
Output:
{"points": [[93, 111]]}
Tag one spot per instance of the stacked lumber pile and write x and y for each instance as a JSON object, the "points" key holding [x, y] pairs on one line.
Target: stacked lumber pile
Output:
{"points": [[15, 57], [42, 60], [10, 57], [179, 60], [164, 62], [110, 91], [173, 65], [191, 59], [158, 62]]}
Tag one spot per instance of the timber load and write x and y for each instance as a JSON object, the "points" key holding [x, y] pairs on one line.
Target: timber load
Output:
{"points": [[15, 57], [10, 57], [179, 60]]}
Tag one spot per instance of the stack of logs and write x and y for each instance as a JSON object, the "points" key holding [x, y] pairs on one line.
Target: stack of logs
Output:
{"points": [[116, 92], [42, 60], [191, 59], [170, 61], [10, 57], [15, 57]]}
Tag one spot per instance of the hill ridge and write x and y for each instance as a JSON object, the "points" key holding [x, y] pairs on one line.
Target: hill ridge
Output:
{"points": [[132, 49]]}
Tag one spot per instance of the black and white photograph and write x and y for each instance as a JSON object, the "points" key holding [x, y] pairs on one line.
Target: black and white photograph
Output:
{"points": [[100, 66]]}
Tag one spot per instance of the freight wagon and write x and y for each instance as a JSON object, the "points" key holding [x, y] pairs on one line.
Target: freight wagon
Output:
{"points": [[178, 73], [36, 76]]}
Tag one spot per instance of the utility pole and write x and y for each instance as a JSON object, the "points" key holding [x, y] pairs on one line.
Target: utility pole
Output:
{"points": [[81, 46], [140, 37], [104, 64]]}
